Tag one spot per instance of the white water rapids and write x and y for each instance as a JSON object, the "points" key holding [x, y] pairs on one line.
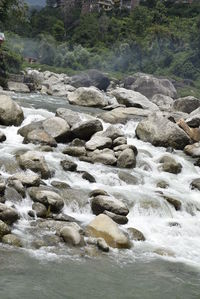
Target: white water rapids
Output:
{"points": [[149, 212]]}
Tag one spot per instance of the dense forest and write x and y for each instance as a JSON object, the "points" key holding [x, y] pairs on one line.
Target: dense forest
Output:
{"points": [[157, 37]]}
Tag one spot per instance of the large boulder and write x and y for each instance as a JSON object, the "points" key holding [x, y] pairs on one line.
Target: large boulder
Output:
{"points": [[8, 215], [126, 159], [71, 117], [98, 142], [87, 96], [122, 115], [149, 85], [27, 179], [105, 156], [159, 131], [187, 104], [86, 129], [131, 98], [34, 161], [104, 227], [102, 203], [10, 112], [18, 87], [58, 128], [162, 101], [47, 197], [90, 78], [40, 137]]}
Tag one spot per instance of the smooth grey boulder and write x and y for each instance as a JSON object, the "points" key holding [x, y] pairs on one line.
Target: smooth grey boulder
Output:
{"points": [[36, 162], [170, 165], [71, 236], [102, 203], [131, 98], [159, 131], [11, 114], [39, 210], [122, 115], [126, 159], [18, 87], [149, 85], [162, 101], [97, 192], [48, 197], [58, 128], [105, 156], [71, 117], [86, 129], [187, 104], [98, 142], [40, 137], [112, 132], [27, 179], [193, 150], [119, 141], [87, 96], [8, 215]]}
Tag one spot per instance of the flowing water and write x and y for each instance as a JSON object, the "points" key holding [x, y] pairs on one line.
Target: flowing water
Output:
{"points": [[166, 265]]}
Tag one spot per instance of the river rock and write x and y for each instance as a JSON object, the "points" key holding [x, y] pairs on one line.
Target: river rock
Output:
{"points": [[98, 142], [47, 197], [34, 161], [135, 234], [90, 78], [87, 96], [119, 141], [131, 98], [193, 150], [159, 131], [75, 151], [97, 192], [162, 184], [102, 245], [4, 229], [128, 178], [126, 159], [170, 165], [58, 128], [187, 104], [86, 129], [149, 85], [68, 165], [25, 130], [8, 215], [40, 137], [112, 132], [27, 179], [12, 240], [39, 210], [162, 101], [104, 227], [87, 176], [2, 186], [78, 143], [71, 117], [2, 137], [174, 202], [18, 87], [122, 115], [196, 184], [10, 112], [117, 218], [105, 156], [15, 191], [101, 203], [71, 236]]}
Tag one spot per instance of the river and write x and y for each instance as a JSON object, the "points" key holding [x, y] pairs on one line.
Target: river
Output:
{"points": [[166, 265]]}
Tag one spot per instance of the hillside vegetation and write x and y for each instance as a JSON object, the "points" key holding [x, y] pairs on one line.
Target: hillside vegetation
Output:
{"points": [[159, 38]]}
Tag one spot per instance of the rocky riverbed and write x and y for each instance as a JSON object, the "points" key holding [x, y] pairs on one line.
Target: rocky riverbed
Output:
{"points": [[92, 167]]}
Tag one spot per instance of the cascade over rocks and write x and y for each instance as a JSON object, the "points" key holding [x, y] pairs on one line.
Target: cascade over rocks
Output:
{"points": [[104, 227], [11, 113], [87, 96], [159, 131], [131, 98]]}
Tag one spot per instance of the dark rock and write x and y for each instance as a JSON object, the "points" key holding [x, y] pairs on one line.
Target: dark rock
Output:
{"points": [[135, 234], [8, 215], [86, 129], [87, 176], [117, 218], [68, 165], [101, 203]]}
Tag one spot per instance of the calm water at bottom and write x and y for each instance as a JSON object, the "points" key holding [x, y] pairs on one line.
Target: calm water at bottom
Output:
{"points": [[24, 277]]}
